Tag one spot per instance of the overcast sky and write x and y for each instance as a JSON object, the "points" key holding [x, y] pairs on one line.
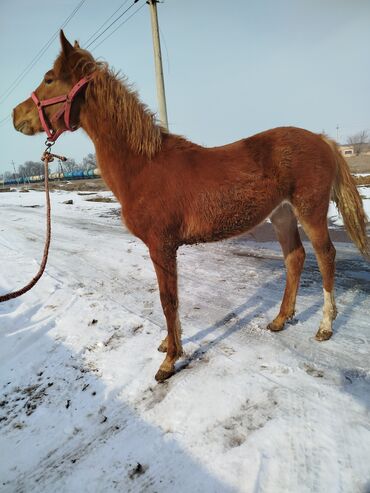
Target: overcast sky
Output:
{"points": [[232, 68]]}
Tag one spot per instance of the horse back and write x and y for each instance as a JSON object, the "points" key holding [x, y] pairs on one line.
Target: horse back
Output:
{"points": [[198, 194]]}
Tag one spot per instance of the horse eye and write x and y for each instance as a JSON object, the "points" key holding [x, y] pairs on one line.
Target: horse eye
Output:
{"points": [[48, 81]]}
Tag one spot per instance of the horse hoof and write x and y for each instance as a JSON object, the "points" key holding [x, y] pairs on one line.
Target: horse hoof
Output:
{"points": [[323, 335], [274, 327], [163, 375]]}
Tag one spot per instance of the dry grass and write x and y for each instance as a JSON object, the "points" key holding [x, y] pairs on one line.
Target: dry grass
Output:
{"points": [[362, 180], [102, 199], [89, 185]]}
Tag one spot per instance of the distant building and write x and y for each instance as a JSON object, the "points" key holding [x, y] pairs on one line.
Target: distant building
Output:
{"points": [[347, 150]]}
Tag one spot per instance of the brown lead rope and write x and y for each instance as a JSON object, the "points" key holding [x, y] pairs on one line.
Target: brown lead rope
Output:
{"points": [[47, 157]]}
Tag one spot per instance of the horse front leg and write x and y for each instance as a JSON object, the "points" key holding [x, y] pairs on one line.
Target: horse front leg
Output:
{"points": [[164, 261]]}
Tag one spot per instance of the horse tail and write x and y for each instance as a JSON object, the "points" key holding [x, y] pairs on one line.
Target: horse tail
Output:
{"points": [[348, 201]]}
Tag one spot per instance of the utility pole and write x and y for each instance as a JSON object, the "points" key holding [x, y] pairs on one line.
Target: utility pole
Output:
{"points": [[337, 127], [158, 64], [15, 173]]}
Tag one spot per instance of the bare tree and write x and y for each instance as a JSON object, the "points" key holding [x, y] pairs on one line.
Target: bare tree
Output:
{"points": [[89, 162], [358, 141], [70, 165], [31, 168]]}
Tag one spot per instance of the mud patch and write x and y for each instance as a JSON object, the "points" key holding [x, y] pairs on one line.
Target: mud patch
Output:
{"points": [[112, 213], [102, 199], [138, 470], [314, 372], [22, 401], [114, 340]]}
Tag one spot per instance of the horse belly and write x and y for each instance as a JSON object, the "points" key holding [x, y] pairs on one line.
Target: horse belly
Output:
{"points": [[216, 216]]}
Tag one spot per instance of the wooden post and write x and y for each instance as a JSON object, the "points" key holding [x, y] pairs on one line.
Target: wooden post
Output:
{"points": [[158, 64]]}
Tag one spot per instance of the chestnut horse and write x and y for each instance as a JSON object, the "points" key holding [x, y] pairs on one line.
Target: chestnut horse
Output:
{"points": [[174, 192]]}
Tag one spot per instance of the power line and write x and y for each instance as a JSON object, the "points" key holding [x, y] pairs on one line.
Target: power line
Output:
{"points": [[3, 120], [104, 23], [119, 25], [46, 46], [111, 24], [37, 57]]}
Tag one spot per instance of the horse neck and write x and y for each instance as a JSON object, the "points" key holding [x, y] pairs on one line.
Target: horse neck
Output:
{"points": [[122, 149]]}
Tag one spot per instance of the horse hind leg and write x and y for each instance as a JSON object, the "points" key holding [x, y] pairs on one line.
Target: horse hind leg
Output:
{"points": [[285, 225], [316, 228]]}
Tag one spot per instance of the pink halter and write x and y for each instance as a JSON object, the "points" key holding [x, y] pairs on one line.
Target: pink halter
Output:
{"points": [[66, 109]]}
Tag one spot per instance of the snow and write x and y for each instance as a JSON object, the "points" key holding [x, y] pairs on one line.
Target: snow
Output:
{"points": [[248, 410], [334, 216]]}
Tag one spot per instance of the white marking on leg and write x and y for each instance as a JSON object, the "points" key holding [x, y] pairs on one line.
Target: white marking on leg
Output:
{"points": [[334, 306], [329, 312]]}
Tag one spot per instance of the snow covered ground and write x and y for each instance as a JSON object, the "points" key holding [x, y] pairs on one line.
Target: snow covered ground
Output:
{"points": [[333, 216], [248, 411]]}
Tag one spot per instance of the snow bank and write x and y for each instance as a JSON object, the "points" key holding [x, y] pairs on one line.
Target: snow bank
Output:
{"points": [[334, 216]]}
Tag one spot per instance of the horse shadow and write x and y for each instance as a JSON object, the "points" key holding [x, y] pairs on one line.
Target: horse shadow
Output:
{"points": [[260, 303], [359, 285], [234, 321]]}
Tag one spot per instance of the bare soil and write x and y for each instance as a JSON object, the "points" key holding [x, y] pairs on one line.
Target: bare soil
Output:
{"points": [[359, 164], [91, 185]]}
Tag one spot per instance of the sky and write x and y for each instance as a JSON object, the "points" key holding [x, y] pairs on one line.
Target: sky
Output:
{"points": [[231, 69]]}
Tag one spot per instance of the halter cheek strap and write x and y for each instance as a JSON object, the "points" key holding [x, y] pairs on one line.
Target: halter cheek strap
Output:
{"points": [[65, 110]]}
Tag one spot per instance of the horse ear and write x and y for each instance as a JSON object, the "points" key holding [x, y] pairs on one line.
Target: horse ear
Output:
{"points": [[76, 45], [67, 48]]}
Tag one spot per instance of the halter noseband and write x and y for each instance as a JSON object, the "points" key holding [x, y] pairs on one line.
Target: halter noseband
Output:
{"points": [[67, 99]]}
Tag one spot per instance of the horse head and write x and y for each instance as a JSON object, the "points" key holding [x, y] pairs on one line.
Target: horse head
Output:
{"points": [[50, 107]]}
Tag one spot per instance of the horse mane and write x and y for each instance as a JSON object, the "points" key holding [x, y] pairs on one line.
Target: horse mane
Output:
{"points": [[114, 99]]}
